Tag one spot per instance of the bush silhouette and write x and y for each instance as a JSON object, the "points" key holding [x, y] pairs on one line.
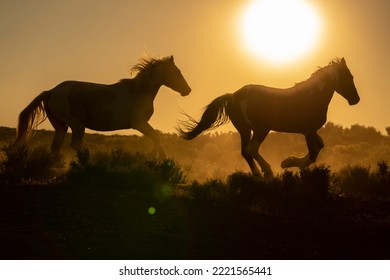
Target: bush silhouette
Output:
{"points": [[316, 180], [122, 169], [20, 163], [302, 191], [361, 181]]}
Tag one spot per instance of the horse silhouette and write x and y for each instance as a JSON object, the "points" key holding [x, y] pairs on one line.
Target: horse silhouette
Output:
{"points": [[123, 105], [299, 109]]}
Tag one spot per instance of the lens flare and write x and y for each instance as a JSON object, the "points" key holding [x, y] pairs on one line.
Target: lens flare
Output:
{"points": [[151, 211]]}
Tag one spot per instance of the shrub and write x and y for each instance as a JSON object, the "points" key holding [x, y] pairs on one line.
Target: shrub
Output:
{"points": [[354, 179], [242, 180], [213, 190], [120, 168], [316, 180], [360, 181], [19, 163], [289, 179], [289, 192], [383, 173], [382, 179]]}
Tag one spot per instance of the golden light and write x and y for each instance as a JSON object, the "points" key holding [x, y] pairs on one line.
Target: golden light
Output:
{"points": [[280, 31]]}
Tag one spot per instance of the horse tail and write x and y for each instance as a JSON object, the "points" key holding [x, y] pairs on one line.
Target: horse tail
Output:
{"points": [[214, 115], [32, 116]]}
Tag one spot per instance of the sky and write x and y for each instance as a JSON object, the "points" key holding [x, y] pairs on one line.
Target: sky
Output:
{"points": [[46, 42]]}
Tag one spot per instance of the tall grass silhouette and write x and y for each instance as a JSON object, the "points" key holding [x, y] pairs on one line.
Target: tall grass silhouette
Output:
{"points": [[289, 191], [21, 163], [139, 172], [360, 180], [100, 207], [122, 169]]}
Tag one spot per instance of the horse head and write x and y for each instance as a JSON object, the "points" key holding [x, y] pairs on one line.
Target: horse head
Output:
{"points": [[344, 83], [173, 78]]}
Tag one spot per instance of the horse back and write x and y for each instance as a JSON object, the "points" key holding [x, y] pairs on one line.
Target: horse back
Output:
{"points": [[96, 106], [284, 110]]}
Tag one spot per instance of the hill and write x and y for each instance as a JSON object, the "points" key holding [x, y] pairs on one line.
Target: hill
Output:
{"points": [[114, 202], [217, 155]]}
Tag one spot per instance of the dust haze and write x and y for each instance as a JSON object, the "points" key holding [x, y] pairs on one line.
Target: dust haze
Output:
{"points": [[216, 155]]}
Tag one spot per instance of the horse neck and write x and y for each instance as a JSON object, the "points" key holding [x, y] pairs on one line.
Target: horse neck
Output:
{"points": [[322, 87], [148, 85]]}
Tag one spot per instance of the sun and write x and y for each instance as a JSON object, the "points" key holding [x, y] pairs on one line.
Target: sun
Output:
{"points": [[280, 31]]}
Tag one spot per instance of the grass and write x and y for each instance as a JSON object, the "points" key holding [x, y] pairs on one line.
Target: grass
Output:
{"points": [[289, 192], [100, 207], [308, 190], [122, 169], [19, 163], [361, 181]]}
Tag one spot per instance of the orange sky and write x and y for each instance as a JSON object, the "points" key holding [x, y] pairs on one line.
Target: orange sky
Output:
{"points": [[46, 42]]}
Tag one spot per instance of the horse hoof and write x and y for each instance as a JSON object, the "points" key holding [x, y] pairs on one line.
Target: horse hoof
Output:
{"points": [[288, 162], [256, 172]]}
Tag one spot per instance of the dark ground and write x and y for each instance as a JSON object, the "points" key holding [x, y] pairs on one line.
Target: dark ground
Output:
{"points": [[70, 222]]}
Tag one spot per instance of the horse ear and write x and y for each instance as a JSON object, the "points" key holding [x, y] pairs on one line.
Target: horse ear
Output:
{"points": [[171, 58], [343, 61]]}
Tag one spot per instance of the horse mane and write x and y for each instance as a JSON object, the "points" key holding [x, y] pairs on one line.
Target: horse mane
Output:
{"points": [[319, 73], [143, 70], [336, 61], [146, 64]]}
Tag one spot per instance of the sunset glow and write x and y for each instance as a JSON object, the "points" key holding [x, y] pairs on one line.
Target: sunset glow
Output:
{"points": [[190, 139], [219, 46], [280, 31]]}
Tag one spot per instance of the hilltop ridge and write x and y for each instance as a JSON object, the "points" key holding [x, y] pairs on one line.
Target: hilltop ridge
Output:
{"points": [[214, 155]]}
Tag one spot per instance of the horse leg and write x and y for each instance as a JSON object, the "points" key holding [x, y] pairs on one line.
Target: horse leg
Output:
{"points": [[59, 136], [253, 149], [314, 144], [245, 138], [77, 136], [148, 130], [243, 127]]}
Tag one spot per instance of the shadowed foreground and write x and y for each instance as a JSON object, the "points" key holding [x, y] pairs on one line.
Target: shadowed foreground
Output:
{"points": [[57, 223], [102, 213]]}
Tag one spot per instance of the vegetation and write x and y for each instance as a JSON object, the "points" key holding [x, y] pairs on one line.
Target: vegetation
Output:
{"points": [[112, 165], [121, 169], [202, 158], [139, 172], [111, 200], [19, 163], [119, 162]]}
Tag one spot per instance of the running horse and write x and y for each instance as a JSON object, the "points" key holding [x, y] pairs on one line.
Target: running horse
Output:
{"points": [[299, 109], [123, 105]]}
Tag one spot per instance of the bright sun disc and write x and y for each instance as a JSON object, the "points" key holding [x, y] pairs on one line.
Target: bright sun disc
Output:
{"points": [[280, 30]]}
